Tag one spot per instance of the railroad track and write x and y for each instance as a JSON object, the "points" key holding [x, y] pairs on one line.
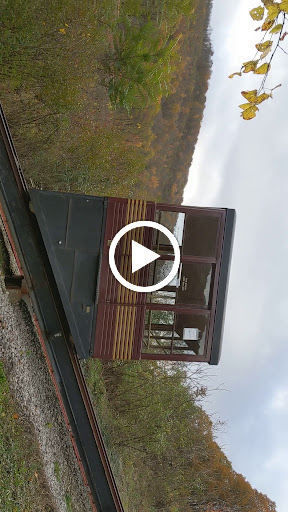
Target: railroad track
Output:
{"points": [[51, 323]]}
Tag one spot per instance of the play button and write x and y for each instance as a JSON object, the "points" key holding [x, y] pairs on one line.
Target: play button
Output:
{"points": [[141, 256]]}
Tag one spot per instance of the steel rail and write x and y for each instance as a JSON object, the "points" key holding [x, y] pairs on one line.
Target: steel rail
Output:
{"points": [[53, 330]]}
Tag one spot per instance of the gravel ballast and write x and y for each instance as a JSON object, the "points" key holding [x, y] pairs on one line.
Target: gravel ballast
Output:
{"points": [[33, 390]]}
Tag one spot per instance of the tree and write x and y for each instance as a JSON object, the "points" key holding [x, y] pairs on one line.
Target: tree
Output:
{"points": [[273, 16], [139, 66]]}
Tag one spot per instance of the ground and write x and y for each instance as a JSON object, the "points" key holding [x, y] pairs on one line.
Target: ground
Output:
{"points": [[55, 482]]}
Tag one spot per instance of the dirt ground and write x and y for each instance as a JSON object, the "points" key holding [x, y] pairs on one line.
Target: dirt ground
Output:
{"points": [[36, 400]]}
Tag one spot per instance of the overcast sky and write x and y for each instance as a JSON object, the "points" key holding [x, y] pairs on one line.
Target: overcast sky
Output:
{"points": [[244, 165]]}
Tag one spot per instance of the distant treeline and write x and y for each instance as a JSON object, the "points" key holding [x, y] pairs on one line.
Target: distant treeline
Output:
{"points": [[176, 126], [163, 443]]}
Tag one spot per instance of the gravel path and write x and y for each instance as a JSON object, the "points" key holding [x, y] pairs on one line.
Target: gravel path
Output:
{"points": [[32, 388]]}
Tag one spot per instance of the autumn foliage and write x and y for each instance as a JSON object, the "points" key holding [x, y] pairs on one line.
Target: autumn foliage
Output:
{"points": [[273, 16], [99, 96], [156, 428], [174, 128]]}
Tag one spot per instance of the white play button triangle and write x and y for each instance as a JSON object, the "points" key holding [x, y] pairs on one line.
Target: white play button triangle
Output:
{"points": [[141, 256]]}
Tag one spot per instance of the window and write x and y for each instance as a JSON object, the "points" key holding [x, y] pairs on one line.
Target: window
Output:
{"points": [[174, 221], [196, 284], [167, 332], [192, 284], [159, 269], [201, 234], [158, 334]]}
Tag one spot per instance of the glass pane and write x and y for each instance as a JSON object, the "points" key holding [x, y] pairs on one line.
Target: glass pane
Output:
{"points": [[174, 221], [200, 238], [159, 332], [192, 284], [153, 349], [161, 297], [191, 330], [157, 272], [195, 287], [167, 332], [165, 318]]}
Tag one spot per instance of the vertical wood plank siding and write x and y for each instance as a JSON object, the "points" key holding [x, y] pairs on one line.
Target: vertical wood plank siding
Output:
{"points": [[118, 334]]}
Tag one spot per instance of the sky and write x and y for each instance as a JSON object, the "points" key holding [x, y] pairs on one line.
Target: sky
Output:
{"points": [[244, 165]]}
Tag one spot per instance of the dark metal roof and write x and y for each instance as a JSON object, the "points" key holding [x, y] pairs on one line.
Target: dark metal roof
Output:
{"points": [[223, 286], [72, 228]]}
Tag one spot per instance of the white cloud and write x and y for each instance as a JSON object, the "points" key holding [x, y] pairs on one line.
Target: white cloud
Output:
{"points": [[279, 401], [244, 166], [241, 35], [278, 461]]}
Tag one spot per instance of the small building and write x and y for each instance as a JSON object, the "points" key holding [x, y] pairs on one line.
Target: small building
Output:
{"points": [[182, 321]]}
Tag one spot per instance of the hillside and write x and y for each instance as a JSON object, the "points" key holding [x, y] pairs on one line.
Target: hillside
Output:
{"points": [[176, 126], [162, 442], [106, 100]]}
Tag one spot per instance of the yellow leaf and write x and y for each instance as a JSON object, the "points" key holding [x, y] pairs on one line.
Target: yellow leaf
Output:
{"points": [[253, 99], [257, 13], [261, 47], [284, 6], [262, 70], [273, 11], [261, 97], [62, 30], [250, 95], [249, 113], [251, 65], [267, 24], [265, 53], [244, 106], [276, 29], [233, 74]]}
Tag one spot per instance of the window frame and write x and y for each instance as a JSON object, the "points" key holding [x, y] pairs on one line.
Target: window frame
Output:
{"points": [[210, 309]]}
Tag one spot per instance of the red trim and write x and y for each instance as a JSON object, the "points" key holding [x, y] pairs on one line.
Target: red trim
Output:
{"points": [[8, 232], [66, 419]]}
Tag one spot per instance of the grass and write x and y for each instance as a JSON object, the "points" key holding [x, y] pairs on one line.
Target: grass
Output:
{"points": [[129, 476], [57, 471], [68, 502], [55, 89], [58, 111], [21, 481]]}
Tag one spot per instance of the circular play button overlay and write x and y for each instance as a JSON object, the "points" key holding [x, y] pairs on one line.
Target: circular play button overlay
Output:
{"points": [[142, 256]]}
